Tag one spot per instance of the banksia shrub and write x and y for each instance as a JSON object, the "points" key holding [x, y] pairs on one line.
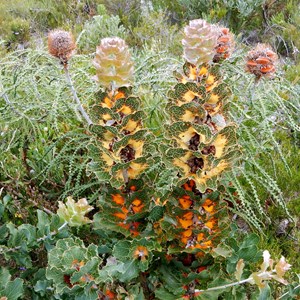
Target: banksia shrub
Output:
{"points": [[61, 44], [261, 61], [199, 42], [113, 63]]}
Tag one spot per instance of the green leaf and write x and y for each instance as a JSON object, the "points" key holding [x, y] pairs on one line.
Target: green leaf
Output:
{"points": [[13, 290], [4, 277], [250, 240], [1, 210], [130, 271], [265, 293], [156, 213], [222, 250], [121, 250], [43, 224], [6, 199], [248, 253], [112, 269], [41, 286], [163, 294]]}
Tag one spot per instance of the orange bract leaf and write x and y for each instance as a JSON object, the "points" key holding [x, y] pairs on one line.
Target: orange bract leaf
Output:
{"points": [[141, 253], [263, 60], [267, 69], [185, 202], [120, 215], [118, 199], [185, 223], [110, 295], [211, 223], [208, 205], [137, 205]]}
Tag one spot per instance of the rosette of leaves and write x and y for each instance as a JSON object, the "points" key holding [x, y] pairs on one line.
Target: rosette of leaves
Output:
{"points": [[200, 39], [129, 258], [121, 146], [74, 213], [61, 44], [225, 44], [74, 268], [114, 67]]}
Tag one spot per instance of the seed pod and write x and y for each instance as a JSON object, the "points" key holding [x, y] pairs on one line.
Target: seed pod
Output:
{"points": [[113, 63], [61, 44], [199, 42], [225, 44], [261, 61]]}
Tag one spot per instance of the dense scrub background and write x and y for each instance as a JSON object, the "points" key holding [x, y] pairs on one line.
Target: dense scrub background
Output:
{"points": [[43, 138]]}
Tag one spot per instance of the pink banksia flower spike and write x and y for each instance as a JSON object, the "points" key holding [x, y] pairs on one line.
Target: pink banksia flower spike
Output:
{"points": [[61, 44], [261, 61]]}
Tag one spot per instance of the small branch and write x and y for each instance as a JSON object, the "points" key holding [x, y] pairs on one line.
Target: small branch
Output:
{"points": [[295, 288], [265, 275], [225, 286], [79, 106], [9, 103], [43, 208]]}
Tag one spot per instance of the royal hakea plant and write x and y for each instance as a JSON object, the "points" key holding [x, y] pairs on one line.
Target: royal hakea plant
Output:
{"points": [[204, 142], [158, 245]]}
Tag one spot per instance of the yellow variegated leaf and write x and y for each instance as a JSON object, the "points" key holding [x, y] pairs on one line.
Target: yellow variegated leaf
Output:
{"points": [[185, 137], [182, 163], [206, 174], [135, 169], [213, 99], [132, 126], [190, 95], [108, 137], [109, 161], [220, 143], [125, 109]]}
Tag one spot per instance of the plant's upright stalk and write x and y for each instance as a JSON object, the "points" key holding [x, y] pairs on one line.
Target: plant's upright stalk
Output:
{"points": [[74, 93], [120, 148], [61, 44], [204, 140]]}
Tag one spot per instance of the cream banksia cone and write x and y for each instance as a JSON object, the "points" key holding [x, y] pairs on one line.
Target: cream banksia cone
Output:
{"points": [[61, 44], [261, 61], [113, 63], [225, 44], [199, 42]]}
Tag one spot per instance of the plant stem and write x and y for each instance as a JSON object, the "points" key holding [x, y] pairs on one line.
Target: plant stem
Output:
{"points": [[8, 102], [79, 106], [225, 286], [265, 275], [297, 287]]}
